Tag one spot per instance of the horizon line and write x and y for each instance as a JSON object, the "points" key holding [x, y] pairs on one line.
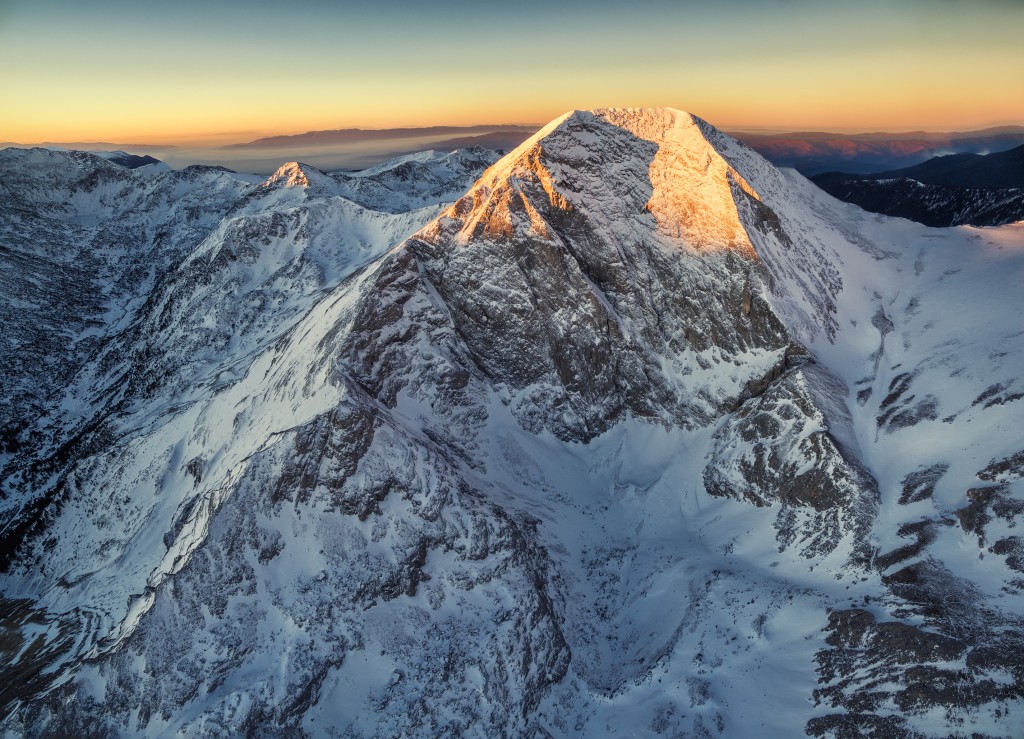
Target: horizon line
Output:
{"points": [[194, 141]]}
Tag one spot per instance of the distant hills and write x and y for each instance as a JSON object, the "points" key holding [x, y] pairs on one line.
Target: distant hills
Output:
{"points": [[359, 135], [951, 190], [810, 153], [813, 153], [500, 141], [86, 146], [128, 161], [1002, 169]]}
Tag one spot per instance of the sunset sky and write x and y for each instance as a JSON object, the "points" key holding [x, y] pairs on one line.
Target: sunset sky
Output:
{"points": [[205, 71]]}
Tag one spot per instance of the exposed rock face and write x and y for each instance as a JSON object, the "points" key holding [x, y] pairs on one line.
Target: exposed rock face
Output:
{"points": [[934, 668], [362, 538], [593, 288], [612, 441], [776, 449]]}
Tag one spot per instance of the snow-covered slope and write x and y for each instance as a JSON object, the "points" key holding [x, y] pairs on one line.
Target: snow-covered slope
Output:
{"points": [[83, 241], [640, 436], [398, 185], [131, 297]]}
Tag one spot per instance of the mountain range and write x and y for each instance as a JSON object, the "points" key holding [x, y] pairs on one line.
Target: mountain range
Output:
{"points": [[352, 135], [950, 190], [813, 153], [628, 432]]}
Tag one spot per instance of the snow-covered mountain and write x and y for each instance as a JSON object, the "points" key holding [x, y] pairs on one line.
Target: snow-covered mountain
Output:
{"points": [[639, 436]]}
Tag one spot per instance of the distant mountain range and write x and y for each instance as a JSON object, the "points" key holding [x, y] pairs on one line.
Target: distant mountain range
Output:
{"points": [[810, 153], [1002, 169], [357, 135], [86, 145], [813, 153], [129, 161], [500, 141], [952, 190]]}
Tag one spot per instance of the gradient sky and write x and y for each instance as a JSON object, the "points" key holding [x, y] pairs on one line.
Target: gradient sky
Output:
{"points": [[217, 71]]}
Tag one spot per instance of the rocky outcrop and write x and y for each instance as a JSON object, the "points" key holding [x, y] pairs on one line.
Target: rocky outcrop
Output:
{"points": [[775, 450], [348, 541], [591, 288], [884, 675]]}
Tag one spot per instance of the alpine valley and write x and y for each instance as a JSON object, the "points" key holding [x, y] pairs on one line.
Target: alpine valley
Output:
{"points": [[627, 433]]}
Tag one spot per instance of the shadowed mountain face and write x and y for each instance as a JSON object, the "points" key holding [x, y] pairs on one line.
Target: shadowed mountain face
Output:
{"points": [[1000, 170], [973, 189], [628, 432], [128, 161]]}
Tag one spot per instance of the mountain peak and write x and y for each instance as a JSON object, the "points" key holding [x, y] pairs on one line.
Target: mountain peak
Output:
{"points": [[297, 174], [657, 169]]}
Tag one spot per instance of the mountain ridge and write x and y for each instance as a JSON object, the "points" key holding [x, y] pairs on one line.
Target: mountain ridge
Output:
{"points": [[633, 426], [815, 153], [340, 135], [950, 190], [1004, 169]]}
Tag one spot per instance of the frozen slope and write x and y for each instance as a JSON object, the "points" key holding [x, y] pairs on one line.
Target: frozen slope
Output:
{"points": [[82, 240], [927, 340], [175, 287], [641, 436]]}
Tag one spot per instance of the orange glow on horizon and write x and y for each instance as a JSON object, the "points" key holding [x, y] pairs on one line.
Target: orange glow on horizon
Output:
{"points": [[724, 115], [219, 74]]}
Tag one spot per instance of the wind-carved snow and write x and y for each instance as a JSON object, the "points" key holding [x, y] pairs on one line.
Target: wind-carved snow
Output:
{"points": [[640, 436]]}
